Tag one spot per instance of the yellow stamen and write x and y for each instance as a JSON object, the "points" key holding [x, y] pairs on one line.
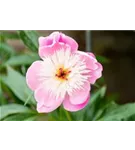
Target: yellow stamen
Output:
{"points": [[62, 74]]}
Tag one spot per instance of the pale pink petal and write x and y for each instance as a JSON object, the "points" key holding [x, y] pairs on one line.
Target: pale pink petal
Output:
{"points": [[32, 75], [46, 101], [96, 74], [55, 36], [45, 41], [80, 95], [89, 60], [45, 97], [49, 44], [62, 38], [68, 40], [71, 107], [45, 109], [47, 51], [49, 40], [91, 54]]}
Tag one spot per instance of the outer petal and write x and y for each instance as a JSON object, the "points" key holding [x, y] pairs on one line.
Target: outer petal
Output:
{"points": [[92, 64], [32, 77], [80, 95], [68, 40], [70, 107], [49, 40], [91, 54], [62, 38], [45, 97], [47, 51], [45, 109], [45, 41], [56, 38], [96, 73], [89, 59]]}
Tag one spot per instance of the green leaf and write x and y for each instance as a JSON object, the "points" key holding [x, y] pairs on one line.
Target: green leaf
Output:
{"points": [[102, 59], [32, 118], [131, 118], [6, 49], [23, 59], [18, 117], [102, 107], [2, 98], [10, 109], [30, 39], [8, 35], [17, 83], [119, 112]]}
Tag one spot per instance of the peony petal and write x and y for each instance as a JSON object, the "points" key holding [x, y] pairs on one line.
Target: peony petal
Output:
{"points": [[32, 75], [92, 64], [89, 60], [45, 41], [96, 74], [91, 54], [80, 95], [55, 36], [70, 107], [45, 109], [69, 41], [46, 51], [53, 40], [45, 97], [49, 40]]}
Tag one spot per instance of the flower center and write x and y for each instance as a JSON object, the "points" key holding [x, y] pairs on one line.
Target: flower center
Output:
{"points": [[62, 74]]}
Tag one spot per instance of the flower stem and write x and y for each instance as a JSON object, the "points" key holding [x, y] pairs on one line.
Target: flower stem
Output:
{"points": [[68, 115]]}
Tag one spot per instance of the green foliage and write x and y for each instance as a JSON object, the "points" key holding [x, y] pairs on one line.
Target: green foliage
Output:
{"points": [[19, 117], [17, 83], [24, 59], [2, 98], [102, 59], [6, 48], [30, 39], [16, 99], [11, 36], [119, 113], [9, 109]]}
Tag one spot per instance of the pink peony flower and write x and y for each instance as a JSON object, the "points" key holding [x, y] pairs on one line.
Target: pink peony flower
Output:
{"points": [[64, 74]]}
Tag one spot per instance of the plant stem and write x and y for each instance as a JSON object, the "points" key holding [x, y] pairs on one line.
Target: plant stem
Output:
{"points": [[68, 115]]}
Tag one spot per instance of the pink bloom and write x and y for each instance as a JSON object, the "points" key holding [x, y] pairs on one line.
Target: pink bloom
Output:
{"points": [[63, 76]]}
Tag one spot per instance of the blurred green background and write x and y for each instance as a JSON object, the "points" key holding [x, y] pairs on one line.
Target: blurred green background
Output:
{"points": [[112, 97]]}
